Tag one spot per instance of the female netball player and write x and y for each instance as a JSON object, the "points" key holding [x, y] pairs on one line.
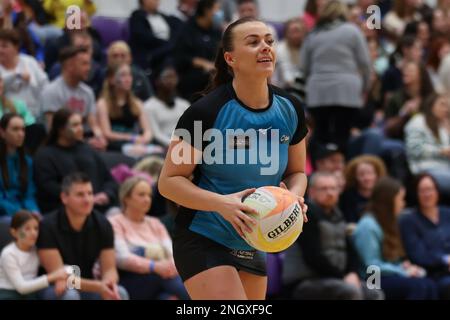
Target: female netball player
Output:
{"points": [[210, 254]]}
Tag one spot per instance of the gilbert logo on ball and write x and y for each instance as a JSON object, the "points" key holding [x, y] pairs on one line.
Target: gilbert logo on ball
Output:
{"points": [[279, 222]]}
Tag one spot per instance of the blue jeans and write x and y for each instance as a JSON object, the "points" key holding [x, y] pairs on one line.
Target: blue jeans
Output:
{"points": [[443, 284], [152, 286], [72, 294], [403, 288]]}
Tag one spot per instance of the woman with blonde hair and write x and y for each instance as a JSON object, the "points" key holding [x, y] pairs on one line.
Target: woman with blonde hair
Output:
{"points": [[336, 64], [121, 116], [143, 246], [361, 175], [119, 52]]}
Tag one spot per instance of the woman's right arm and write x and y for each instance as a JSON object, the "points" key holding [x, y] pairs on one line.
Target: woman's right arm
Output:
{"points": [[369, 248], [175, 185]]}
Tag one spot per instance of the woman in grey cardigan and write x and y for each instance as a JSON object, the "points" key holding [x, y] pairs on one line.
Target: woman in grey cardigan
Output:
{"points": [[427, 139], [336, 63]]}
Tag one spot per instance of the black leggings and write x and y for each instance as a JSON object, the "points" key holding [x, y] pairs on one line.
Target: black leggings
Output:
{"points": [[332, 125]]}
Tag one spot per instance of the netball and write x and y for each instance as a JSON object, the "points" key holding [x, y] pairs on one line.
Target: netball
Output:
{"points": [[279, 222]]}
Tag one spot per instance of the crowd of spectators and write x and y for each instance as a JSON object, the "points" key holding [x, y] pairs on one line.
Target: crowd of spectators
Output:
{"points": [[84, 129]]}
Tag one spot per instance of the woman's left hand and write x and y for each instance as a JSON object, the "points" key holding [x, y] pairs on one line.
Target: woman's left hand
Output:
{"points": [[301, 201]]}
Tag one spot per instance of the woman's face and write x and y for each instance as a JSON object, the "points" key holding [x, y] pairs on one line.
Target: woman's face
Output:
{"points": [[320, 6], [118, 56], [7, 51], [295, 34], [150, 5], [366, 176], [427, 193], [399, 202], [253, 52], [123, 79], [168, 79], [27, 234], [14, 134], [140, 199], [209, 13], [410, 74], [423, 32], [441, 108], [414, 53], [74, 128]]}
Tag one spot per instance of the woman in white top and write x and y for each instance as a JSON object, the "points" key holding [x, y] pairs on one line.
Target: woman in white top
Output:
{"points": [[164, 109], [19, 261], [23, 76], [288, 52], [427, 137]]}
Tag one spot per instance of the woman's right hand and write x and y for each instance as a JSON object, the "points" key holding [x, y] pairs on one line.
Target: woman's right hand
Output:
{"points": [[234, 211], [58, 274], [166, 269]]}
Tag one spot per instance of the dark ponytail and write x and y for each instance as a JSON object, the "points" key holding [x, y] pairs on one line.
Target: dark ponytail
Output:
{"points": [[223, 73]]}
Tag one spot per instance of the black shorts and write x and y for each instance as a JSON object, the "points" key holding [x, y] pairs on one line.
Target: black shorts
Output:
{"points": [[194, 253]]}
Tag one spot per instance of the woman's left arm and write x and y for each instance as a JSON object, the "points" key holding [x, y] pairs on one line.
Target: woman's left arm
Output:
{"points": [[294, 177]]}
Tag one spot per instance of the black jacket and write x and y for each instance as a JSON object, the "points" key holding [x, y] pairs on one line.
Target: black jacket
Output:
{"points": [[324, 244], [148, 50], [52, 163]]}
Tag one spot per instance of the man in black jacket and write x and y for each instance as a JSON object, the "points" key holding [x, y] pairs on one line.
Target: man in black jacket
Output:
{"points": [[66, 153], [152, 35], [325, 250]]}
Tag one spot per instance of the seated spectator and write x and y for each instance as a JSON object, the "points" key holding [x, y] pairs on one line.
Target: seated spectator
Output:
{"points": [[396, 19], [14, 106], [17, 189], [325, 249], [38, 20], [329, 158], [361, 175], [58, 8], [35, 132], [409, 48], [30, 42], [196, 49], [19, 262], [23, 78], [143, 247], [440, 25], [121, 115], [406, 101], [426, 233], [77, 235], [313, 9], [83, 39], [427, 137], [151, 35], [55, 45], [66, 153], [118, 53], [163, 110], [378, 243], [250, 9], [288, 53], [420, 29], [68, 91], [439, 48], [184, 11]]}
